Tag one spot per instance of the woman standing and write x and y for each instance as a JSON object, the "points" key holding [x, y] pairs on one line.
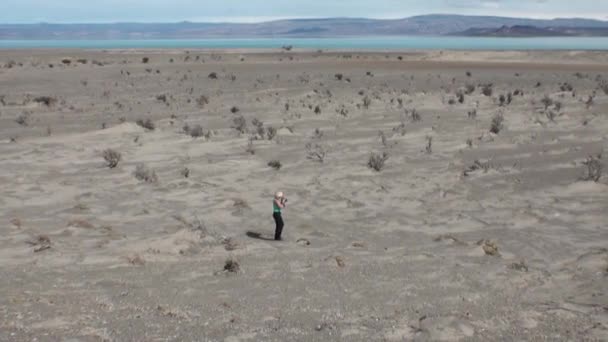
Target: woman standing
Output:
{"points": [[278, 204]]}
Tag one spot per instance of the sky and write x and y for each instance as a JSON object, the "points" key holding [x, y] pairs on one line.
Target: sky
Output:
{"points": [[103, 11]]}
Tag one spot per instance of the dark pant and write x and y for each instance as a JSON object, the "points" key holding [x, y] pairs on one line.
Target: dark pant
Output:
{"points": [[278, 220]]}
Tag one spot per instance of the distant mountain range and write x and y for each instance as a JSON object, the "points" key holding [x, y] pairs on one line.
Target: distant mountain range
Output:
{"points": [[330, 27], [534, 31]]}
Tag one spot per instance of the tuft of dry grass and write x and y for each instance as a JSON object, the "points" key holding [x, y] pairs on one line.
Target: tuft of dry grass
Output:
{"points": [[275, 164], [145, 174], [594, 168], [147, 124], [136, 260], [377, 161], [497, 123], [316, 152], [232, 265], [112, 157]]}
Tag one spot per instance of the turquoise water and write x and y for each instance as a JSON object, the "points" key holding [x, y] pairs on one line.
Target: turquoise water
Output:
{"points": [[366, 43]]}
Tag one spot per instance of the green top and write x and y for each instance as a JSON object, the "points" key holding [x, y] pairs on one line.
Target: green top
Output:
{"points": [[275, 207]]}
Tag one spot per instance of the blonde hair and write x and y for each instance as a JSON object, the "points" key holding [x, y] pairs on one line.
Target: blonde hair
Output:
{"points": [[278, 194]]}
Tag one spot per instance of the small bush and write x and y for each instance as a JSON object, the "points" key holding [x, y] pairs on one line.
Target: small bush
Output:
{"points": [[250, 148], [376, 161], [317, 133], [45, 100], [185, 172], [275, 164], [112, 157], [429, 145], [196, 131], [232, 265], [604, 87], [497, 124], [487, 89], [145, 60], [594, 168], [367, 101], [240, 124], [271, 132], [213, 76], [22, 120], [147, 124], [339, 77], [469, 89], [415, 115], [546, 101], [317, 110], [316, 152], [472, 114], [460, 97], [145, 174], [234, 109], [202, 101]]}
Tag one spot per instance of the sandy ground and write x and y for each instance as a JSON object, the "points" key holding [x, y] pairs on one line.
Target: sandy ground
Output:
{"points": [[477, 237]]}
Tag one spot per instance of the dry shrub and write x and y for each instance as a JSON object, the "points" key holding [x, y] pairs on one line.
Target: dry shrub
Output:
{"points": [[145, 60], [46, 100], [250, 148], [367, 101], [240, 124], [22, 119], [41, 242], [196, 131], [275, 164], [316, 152], [340, 261], [271, 132], [145, 174], [429, 145], [478, 165], [489, 247], [232, 265], [497, 123], [546, 101], [147, 124], [230, 244], [112, 157], [79, 223], [202, 101], [415, 115], [212, 76], [185, 172], [16, 222], [487, 89], [594, 168], [604, 87], [376, 161], [136, 260]]}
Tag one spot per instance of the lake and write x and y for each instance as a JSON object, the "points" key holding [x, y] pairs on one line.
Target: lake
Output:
{"points": [[349, 43]]}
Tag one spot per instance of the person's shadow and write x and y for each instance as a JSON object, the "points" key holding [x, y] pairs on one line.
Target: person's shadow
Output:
{"points": [[256, 235]]}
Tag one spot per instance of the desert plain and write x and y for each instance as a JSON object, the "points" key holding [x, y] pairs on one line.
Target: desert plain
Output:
{"points": [[433, 195]]}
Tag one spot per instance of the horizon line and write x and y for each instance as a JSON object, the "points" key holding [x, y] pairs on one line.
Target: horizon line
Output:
{"points": [[277, 19]]}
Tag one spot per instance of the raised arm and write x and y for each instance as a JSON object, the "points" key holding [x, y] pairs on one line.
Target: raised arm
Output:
{"points": [[279, 203]]}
